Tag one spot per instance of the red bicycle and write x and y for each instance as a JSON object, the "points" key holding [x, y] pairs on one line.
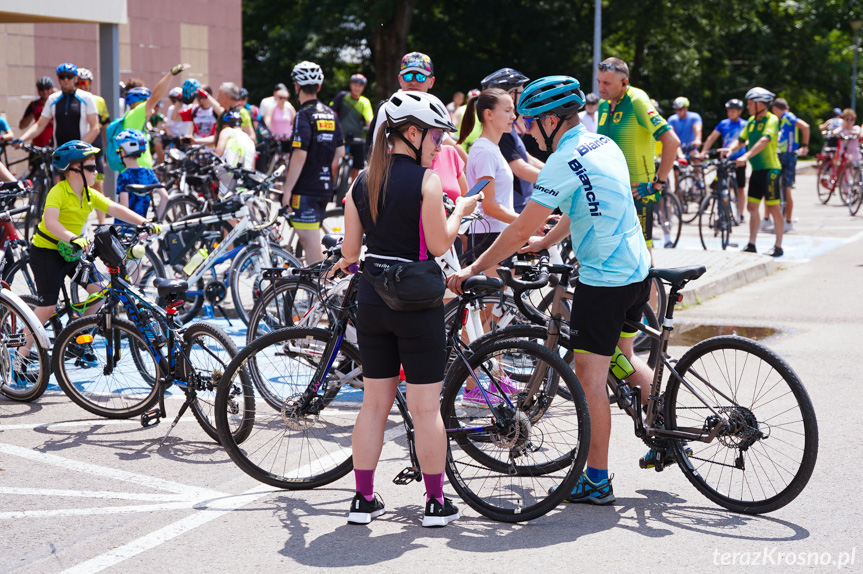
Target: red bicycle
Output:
{"points": [[841, 175]]}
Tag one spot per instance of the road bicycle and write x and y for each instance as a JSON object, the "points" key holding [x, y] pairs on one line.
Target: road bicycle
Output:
{"points": [[506, 449], [732, 413], [121, 368], [716, 216], [839, 177], [21, 378]]}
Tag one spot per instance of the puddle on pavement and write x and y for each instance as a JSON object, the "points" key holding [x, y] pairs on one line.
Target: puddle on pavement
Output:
{"points": [[688, 335]]}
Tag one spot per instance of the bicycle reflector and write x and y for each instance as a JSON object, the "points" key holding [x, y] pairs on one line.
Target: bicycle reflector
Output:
{"points": [[84, 339]]}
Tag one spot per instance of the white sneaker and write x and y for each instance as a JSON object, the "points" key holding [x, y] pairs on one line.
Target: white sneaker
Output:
{"points": [[767, 226], [789, 226]]}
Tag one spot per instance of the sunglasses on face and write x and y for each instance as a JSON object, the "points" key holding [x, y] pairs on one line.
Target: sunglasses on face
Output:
{"points": [[66, 76], [410, 76], [91, 167], [528, 122], [436, 137]]}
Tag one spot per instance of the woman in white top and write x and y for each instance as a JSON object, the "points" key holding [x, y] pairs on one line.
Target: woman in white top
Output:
{"points": [[235, 147], [496, 112]]}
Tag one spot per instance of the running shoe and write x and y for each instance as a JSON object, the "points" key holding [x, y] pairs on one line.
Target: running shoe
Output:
{"points": [[750, 248], [438, 515], [776, 252], [364, 511], [789, 226], [766, 226], [649, 459], [586, 491], [507, 385]]}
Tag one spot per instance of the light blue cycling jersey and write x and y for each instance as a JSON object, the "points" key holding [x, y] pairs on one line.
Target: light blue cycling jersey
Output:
{"points": [[587, 178]]}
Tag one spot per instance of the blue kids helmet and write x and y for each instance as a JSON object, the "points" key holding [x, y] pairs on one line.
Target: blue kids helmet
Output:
{"points": [[67, 68], [190, 90], [555, 95], [132, 142], [232, 118], [72, 151], [136, 95]]}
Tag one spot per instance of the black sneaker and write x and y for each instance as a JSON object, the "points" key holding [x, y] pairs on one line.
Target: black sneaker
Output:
{"points": [[750, 248], [438, 514], [776, 252], [363, 511]]}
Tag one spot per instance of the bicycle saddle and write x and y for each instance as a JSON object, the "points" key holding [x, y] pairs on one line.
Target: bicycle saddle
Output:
{"points": [[678, 275], [167, 287], [139, 188], [481, 284]]}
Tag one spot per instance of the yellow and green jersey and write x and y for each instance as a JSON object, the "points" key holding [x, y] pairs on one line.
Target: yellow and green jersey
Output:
{"points": [[74, 210], [767, 126], [634, 126]]}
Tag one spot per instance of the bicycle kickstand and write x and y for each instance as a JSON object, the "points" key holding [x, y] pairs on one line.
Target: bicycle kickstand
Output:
{"points": [[225, 315], [189, 399]]}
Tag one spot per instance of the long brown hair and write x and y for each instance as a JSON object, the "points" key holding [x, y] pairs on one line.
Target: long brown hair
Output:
{"points": [[476, 107], [378, 172]]}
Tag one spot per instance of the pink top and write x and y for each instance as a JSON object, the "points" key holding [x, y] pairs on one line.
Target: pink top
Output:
{"points": [[281, 125], [449, 166]]}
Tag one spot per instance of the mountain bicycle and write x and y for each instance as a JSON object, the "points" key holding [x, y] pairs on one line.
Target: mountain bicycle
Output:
{"points": [[716, 217], [733, 413], [505, 451], [120, 368]]}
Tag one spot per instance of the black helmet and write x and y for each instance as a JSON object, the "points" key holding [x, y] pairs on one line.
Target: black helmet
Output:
{"points": [[734, 104], [506, 79]]}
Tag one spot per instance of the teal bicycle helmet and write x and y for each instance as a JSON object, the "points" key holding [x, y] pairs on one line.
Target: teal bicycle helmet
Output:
{"points": [[190, 90], [71, 151], [552, 95]]}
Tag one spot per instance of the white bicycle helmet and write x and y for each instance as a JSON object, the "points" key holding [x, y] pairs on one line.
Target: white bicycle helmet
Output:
{"points": [[307, 74], [417, 108], [85, 74], [760, 95]]}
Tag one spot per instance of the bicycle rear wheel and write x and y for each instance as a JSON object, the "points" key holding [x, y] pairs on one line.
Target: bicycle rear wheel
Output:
{"points": [[285, 304], [290, 445], [515, 462], [667, 222], [25, 378], [80, 360], [765, 458], [825, 182], [714, 223], [208, 350]]}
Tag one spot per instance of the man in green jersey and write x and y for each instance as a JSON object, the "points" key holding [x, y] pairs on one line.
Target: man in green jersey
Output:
{"points": [[630, 120], [761, 135], [355, 114]]}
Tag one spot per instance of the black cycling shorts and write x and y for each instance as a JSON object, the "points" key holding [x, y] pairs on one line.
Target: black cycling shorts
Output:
{"points": [[308, 210], [414, 340], [357, 152], [599, 315], [764, 184], [49, 272], [644, 209], [741, 176]]}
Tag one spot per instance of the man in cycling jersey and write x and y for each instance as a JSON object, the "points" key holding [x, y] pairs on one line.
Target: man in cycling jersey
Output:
{"points": [[416, 74], [45, 87], [316, 149], [760, 136], [355, 114], [630, 120], [587, 178], [728, 129], [687, 126], [789, 148], [74, 111]]}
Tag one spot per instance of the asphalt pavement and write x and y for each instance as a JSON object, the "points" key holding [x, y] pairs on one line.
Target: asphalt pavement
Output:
{"points": [[83, 494]]}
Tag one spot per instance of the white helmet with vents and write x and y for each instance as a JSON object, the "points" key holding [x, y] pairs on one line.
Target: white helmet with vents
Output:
{"points": [[307, 74], [417, 108]]}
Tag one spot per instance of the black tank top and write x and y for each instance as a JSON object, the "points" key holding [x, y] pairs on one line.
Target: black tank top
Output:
{"points": [[396, 233]]}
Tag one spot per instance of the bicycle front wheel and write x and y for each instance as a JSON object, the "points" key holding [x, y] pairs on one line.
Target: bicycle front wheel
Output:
{"points": [[764, 457], [298, 439], [714, 223], [286, 303], [825, 182], [514, 459], [246, 273], [25, 377], [207, 350], [98, 367]]}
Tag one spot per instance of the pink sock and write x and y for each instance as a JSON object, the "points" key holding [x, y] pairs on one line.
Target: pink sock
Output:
{"points": [[365, 480], [434, 486]]}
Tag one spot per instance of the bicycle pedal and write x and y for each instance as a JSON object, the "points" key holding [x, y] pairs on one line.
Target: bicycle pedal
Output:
{"points": [[152, 415], [408, 475]]}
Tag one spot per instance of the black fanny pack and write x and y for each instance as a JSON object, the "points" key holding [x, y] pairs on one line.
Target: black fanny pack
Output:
{"points": [[407, 285]]}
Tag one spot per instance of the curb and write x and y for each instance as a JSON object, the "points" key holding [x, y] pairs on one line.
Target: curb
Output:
{"points": [[699, 291]]}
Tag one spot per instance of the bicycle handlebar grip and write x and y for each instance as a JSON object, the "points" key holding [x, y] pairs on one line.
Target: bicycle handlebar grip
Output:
{"points": [[518, 285]]}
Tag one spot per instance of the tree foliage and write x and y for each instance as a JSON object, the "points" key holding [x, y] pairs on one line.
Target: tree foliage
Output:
{"points": [[708, 51]]}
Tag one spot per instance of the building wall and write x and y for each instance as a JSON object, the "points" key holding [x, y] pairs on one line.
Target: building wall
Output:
{"points": [[159, 35]]}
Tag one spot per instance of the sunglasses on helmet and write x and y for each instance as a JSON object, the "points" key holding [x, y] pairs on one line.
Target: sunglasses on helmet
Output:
{"points": [[603, 67], [410, 76]]}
